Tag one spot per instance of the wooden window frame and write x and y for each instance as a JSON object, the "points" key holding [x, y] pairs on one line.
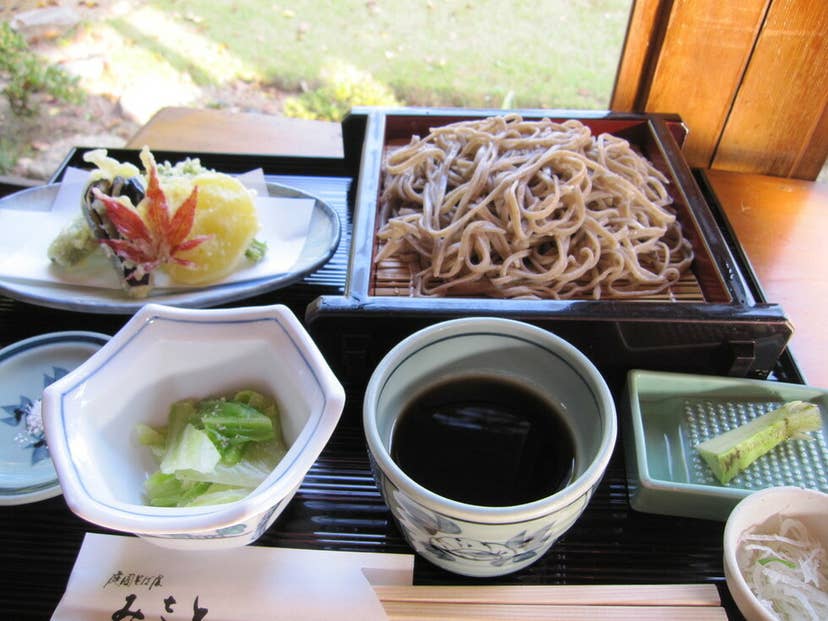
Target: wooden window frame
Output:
{"points": [[749, 78]]}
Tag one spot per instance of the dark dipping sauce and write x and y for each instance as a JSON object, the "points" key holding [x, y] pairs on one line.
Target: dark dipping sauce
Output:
{"points": [[484, 440]]}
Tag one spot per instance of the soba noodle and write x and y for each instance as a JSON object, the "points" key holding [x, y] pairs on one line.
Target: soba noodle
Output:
{"points": [[529, 209]]}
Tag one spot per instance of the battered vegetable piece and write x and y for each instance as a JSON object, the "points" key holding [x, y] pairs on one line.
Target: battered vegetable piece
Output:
{"points": [[195, 224], [108, 167], [225, 214], [73, 244]]}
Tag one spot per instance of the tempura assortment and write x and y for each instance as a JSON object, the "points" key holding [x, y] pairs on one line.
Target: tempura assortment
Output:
{"points": [[194, 224]]}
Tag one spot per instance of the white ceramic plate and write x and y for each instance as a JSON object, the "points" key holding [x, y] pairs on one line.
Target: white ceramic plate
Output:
{"points": [[26, 368], [323, 238]]}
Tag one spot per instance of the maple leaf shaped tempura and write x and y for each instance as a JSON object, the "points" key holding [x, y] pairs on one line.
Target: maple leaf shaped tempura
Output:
{"points": [[158, 238]]}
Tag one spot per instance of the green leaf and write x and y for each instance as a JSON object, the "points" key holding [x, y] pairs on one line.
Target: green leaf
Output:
{"points": [[214, 450], [193, 451], [231, 423], [774, 559]]}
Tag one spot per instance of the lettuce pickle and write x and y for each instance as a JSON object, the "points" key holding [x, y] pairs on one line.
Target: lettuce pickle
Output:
{"points": [[213, 450]]}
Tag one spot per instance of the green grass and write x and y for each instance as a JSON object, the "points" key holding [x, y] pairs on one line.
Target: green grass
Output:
{"points": [[330, 55], [478, 53], [8, 154], [13, 144]]}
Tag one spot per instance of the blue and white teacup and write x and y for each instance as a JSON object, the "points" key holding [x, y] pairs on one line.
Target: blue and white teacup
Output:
{"points": [[476, 540]]}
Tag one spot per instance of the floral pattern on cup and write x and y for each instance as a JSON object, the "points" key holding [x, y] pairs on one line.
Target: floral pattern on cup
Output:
{"points": [[488, 541], [442, 538]]}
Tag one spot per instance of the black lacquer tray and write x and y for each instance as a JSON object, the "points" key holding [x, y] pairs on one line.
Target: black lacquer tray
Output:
{"points": [[338, 505]]}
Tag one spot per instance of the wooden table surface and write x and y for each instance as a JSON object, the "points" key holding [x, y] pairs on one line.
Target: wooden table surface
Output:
{"points": [[781, 225], [779, 222], [217, 131]]}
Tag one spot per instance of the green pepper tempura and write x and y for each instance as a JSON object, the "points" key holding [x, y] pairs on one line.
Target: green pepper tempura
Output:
{"points": [[213, 451]]}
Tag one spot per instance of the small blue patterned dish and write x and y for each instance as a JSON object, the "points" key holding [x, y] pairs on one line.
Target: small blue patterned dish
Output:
{"points": [[668, 414], [26, 368]]}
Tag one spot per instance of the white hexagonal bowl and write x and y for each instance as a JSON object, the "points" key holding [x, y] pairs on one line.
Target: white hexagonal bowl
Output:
{"points": [[164, 354]]}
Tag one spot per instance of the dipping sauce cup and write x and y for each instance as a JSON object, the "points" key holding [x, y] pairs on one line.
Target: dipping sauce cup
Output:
{"points": [[475, 449]]}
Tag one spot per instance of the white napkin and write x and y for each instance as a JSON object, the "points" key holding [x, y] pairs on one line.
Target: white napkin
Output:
{"points": [[25, 237], [114, 573]]}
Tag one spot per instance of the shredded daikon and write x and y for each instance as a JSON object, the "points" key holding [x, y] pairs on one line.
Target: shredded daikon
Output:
{"points": [[786, 570]]}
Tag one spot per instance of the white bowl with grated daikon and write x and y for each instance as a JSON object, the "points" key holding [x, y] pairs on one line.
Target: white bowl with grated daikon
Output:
{"points": [[776, 543]]}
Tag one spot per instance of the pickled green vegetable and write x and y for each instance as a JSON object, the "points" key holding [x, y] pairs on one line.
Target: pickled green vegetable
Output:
{"points": [[231, 425], [214, 450]]}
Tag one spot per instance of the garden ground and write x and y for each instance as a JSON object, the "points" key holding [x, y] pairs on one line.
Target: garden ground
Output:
{"points": [[303, 58]]}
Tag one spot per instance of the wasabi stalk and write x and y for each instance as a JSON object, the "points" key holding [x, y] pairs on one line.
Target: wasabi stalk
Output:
{"points": [[731, 452]]}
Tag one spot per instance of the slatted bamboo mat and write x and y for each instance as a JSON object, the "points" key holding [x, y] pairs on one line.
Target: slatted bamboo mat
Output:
{"points": [[394, 277]]}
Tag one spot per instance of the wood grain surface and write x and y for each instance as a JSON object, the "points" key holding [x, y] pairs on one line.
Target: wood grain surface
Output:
{"points": [[781, 225], [217, 131], [705, 52], [781, 104], [750, 80]]}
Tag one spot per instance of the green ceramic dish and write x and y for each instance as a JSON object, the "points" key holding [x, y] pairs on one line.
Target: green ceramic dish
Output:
{"points": [[665, 415]]}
